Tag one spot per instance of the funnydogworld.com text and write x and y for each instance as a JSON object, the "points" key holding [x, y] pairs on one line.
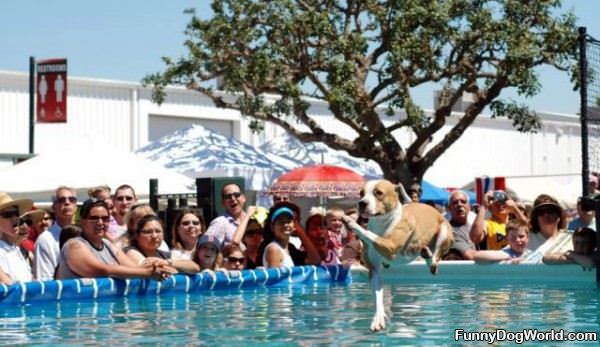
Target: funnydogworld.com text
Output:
{"points": [[524, 335]]}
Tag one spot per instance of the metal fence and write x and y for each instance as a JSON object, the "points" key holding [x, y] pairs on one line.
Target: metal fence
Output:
{"points": [[589, 68]]}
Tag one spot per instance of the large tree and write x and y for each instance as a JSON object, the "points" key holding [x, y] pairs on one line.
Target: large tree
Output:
{"points": [[364, 58]]}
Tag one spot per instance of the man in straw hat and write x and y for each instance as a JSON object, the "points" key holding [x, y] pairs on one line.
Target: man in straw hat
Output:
{"points": [[13, 262]]}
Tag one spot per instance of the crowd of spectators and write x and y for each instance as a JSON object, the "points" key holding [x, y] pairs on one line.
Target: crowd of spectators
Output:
{"points": [[111, 234]]}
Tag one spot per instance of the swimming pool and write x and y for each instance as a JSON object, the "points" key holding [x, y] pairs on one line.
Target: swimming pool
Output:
{"points": [[423, 314]]}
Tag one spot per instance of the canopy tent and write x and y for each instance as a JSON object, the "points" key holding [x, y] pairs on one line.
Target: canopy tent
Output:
{"points": [[312, 153], [199, 152], [290, 148], [82, 168], [565, 189]]}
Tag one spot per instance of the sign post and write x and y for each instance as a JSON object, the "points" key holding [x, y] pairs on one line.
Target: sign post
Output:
{"points": [[52, 91]]}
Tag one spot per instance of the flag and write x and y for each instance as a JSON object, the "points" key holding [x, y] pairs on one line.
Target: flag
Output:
{"points": [[484, 184]]}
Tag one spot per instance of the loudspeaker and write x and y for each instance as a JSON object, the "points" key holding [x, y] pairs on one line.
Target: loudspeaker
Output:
{"points": [[210, 199]]}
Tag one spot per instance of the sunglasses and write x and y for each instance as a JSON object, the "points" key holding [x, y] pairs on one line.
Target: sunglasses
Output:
{"points": [[9, 214], [190, 222], [28, 222], [64, 199], [236, 260], [553, 213], [253, 232], [232, 195], [124, 197], [105, 219]]}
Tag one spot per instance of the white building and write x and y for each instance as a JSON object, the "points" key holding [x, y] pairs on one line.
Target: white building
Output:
{"points": [[122, 115]]}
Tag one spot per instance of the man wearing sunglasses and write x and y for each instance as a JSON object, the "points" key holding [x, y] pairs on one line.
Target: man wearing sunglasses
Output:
{"points": [[47, 251], [123, 200], [14, 266], [223, 227]]}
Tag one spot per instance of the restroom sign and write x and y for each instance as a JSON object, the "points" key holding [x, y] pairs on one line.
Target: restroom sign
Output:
{"points": [[51, 90]]}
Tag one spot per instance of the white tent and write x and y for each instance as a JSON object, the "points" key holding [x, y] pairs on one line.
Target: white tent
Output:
{"points": [[199, 152], [38, 177], [564, 188], [292, 149]]}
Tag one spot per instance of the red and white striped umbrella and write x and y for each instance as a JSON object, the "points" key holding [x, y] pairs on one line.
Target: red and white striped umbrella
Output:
{"points": [[318, 181]]}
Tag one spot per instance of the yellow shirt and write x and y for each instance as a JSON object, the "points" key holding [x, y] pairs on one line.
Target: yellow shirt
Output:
{"points": [[495, 235]]}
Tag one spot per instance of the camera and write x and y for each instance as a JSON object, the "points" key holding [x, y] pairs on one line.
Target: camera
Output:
{"points": [[587, 203], [499, 196]]}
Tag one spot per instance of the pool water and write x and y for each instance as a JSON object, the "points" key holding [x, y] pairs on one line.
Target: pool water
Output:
{"points": [[304, 315]]}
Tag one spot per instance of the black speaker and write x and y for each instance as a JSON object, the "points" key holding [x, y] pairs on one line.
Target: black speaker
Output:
{"points": [[208, 191]]}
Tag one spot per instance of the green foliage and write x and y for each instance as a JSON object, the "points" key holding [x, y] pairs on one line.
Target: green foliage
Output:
{"points": [[365, 58], [523, 118]]}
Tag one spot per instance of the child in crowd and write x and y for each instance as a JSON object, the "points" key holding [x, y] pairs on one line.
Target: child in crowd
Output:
{"points": [[318, 234], [335, 228], [208, 254], [517, 233], [584, 243], [233, 257]]}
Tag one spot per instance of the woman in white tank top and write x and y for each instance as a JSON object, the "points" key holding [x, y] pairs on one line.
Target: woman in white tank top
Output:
{"points": [[283, 223]]}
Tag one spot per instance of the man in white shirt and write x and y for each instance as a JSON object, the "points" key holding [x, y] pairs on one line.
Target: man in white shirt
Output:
{"points": [[223, 227], [14, 266], [47, 251]]}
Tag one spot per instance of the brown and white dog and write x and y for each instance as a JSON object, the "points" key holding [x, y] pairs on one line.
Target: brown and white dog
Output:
{"points": [[397, 233]]}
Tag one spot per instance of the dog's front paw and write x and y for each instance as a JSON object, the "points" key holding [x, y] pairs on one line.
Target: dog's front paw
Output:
{"points": [[350, 222], [378, 322]]}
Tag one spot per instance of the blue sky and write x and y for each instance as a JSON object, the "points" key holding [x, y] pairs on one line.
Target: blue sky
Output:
{"points": [[124, 40]]}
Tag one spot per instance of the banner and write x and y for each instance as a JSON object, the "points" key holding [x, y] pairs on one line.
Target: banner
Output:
{"points": [[51, 90], [484, 184]]}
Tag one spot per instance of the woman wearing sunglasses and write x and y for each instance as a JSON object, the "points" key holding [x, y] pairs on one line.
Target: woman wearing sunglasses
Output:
{"points": [[188, 227], [548, 222], [91, 255], [14, 266]]}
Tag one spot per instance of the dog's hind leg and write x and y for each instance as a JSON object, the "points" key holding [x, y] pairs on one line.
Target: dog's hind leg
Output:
{"points": [[444, 238], [378, 322], [427, 255]]}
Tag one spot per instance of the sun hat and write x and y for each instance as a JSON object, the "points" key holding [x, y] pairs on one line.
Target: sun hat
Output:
{"points": [[23, 205], [34, 214], [544, 201], [283, 210]]}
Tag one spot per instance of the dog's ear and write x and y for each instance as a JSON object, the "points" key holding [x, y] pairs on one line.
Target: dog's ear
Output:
{"points": [[402, 195]]}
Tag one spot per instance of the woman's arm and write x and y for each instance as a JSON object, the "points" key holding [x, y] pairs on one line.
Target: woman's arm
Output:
{"points": [[184, 265], [556, 258], [312, 255], [4, 278], [136, 257], [84, 263], [272, 256], [490, 256]]}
